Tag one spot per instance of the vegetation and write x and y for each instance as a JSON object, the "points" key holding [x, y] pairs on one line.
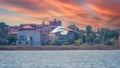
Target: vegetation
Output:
{"points": [[11, 40], [79, 42], [3, 33], [101, 36], [88, 36]]}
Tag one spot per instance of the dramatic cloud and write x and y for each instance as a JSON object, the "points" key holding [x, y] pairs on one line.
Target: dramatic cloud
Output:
{"points": [[108, 11], [97, 13]]}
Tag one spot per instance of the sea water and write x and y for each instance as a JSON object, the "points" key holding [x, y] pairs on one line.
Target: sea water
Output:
{"points": [[60, 59]]}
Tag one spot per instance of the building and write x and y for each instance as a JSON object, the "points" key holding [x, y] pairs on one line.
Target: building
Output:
{"points": [[55, 23], [28, 36], [34, 34], [13, 30], [22, 25]]}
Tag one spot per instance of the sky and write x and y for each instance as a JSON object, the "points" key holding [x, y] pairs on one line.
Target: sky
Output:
{"points": [[97, 13]]}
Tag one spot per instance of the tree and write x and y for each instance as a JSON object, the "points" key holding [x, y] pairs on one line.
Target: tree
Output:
{"points": [[106, 35], [110, 42], [3, 33], [78, 42], [54, 41], [3, 25], [69, 41], [88, 30], [11, 40], [74, 27], [90, 35], [75, 31]]}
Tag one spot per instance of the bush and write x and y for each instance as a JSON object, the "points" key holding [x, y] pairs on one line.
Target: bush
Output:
{"points": [[69, 42], [12, 40], [78, 42], [110, 42]]}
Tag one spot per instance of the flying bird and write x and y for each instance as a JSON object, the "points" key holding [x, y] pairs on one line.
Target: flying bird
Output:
{"points": [[62, 30]]}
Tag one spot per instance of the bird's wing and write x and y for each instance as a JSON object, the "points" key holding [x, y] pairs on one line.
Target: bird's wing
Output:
{"points": [[58, 29]]}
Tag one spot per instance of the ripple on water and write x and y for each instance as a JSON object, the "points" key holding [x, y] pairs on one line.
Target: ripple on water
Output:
{"points": [[60, 59]]}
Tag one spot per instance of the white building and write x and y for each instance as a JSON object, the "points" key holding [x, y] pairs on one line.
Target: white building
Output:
{"points": [[28, 37]]}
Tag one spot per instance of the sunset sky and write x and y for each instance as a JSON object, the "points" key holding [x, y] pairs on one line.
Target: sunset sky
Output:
{"points": [[97, 13]]}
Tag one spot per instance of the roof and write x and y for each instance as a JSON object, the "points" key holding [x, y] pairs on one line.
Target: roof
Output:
{"points": [[27, 27], [13, 32]]}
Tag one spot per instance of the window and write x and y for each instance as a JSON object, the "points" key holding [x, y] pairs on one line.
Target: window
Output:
{"points": [[26, 42], [21, 37], [19, 43]]}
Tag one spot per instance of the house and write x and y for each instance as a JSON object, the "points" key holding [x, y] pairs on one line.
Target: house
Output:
{"points": [[28, 36], [13, 30]]}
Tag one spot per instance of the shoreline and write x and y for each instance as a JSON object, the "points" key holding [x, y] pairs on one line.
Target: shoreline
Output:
{"points": [[65, 47]]}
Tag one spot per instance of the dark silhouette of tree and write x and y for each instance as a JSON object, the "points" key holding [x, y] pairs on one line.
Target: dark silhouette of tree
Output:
{"points": [[3, 33]]}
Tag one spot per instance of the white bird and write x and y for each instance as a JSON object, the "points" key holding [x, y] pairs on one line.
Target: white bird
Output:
{"points": [[62, 30]]}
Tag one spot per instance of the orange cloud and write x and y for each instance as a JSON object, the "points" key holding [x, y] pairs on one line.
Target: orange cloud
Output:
{"points": [[108, 7], [107, 10], [97, 13]]}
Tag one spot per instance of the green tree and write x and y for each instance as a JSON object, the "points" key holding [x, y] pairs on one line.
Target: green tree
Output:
{"points": [[88, 30], [106, 35], [90, 35], [3, 25], [69, 41], [54, 41], [3, 33], [74, 27], [111, 42], [79, 42], [11, 40]]}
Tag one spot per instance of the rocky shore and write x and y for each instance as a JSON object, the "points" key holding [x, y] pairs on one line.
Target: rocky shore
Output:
{"points": [[64, 47]]}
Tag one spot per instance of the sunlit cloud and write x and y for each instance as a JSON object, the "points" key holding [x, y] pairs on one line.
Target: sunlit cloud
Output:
{"points": [[97, 13]]}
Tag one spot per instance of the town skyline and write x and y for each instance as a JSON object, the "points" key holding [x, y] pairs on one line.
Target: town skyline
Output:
{"points": [[98, 14], [51, 34], [48, 23]]}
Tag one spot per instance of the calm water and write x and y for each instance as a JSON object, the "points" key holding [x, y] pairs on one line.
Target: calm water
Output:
{"points": [[60, 59]]}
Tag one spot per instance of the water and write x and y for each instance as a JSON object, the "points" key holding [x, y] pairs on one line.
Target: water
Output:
{"points": [[60, 59]]}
